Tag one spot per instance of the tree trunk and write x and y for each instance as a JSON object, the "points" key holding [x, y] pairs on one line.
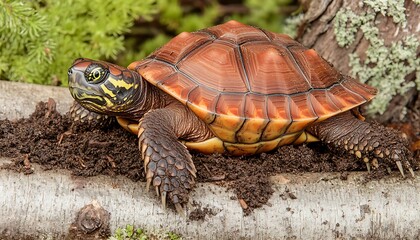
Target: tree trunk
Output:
{"points": [[54, 204], [318, 32]]}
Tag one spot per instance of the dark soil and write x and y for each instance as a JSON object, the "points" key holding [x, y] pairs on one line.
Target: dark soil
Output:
{"points": [[55, 142]]}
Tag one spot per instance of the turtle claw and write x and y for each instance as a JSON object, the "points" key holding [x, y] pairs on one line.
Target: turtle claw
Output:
{"points": [[412, 172], [368, 167], [180, 209], [163, 197], [400, 167], [157, 191], [149, 182]]}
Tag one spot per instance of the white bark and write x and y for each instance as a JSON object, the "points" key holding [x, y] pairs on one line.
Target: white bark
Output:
{"points": [[326, 207], [45, 203], [19, 99]]}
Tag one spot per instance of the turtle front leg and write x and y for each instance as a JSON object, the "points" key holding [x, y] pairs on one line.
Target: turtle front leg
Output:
{"points": [[81, 115], [167, 162], [373, 143], [85, 119]]}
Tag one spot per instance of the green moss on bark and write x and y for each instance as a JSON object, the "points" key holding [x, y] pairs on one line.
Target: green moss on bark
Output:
{"points": [[129, 232]]}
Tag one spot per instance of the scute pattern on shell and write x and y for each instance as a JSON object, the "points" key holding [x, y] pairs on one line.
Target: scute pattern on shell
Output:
{"points": [[251, 85]]}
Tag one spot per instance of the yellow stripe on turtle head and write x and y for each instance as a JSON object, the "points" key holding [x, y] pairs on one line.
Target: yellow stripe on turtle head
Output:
{"points": [[107, 91], [109, 104], [84, 96], [120, 83]]}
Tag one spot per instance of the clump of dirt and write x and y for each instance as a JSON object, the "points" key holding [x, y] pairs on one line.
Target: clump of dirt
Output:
{"points": [[54, 141], [199, 212]]}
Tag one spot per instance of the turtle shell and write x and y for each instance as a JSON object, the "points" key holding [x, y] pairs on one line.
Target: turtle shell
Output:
{"points": [[250, 85]]}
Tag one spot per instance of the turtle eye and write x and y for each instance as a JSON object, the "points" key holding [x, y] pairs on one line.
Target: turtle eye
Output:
{"points": [[96, 73]]}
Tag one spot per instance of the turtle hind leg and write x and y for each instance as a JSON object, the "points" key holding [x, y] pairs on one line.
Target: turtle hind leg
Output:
{"points": [[373, 143], [84, 120]]}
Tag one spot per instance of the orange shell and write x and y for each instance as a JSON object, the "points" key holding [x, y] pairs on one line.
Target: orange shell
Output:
{"points": [[250, 85]]}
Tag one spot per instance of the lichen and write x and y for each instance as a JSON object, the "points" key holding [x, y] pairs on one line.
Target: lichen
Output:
{"points": [[386, 68], [346, 25], [292, 23], [385, 65], [391, 8]]}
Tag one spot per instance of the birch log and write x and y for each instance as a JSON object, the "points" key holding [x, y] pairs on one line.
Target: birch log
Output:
{"points": [[305, 206]]}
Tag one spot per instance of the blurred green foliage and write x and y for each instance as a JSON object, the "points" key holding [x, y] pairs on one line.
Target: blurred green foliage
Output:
{"points": [[265, 14], [39, 39]]}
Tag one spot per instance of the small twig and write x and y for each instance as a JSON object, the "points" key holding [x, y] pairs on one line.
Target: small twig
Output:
{"points": [[65, 134], [27, 165], [212, 177], [243, 204], [51, 107], [81, 161], [208, 170], [217, 178], [26, 162], [111, 161]]}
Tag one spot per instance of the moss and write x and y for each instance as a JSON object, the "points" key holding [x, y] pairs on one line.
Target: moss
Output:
{"points": [[129, 232], [385, 67]]}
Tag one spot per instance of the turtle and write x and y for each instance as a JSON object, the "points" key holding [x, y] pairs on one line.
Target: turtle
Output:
{"points": [[233, 89]]}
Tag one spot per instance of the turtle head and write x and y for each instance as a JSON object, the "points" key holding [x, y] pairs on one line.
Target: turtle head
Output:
{"points": [[103, 87]]}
